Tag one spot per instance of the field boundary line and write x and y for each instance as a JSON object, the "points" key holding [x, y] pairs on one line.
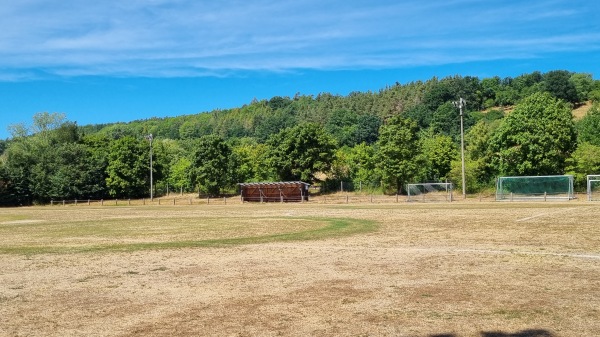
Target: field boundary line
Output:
{"points": [[544, 214]]}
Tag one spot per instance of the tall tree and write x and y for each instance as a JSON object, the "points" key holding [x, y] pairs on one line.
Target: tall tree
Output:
{"points": [[210, 162], [399, 157], [535, 139], [298, 153], [128, 171], [439, 152]]}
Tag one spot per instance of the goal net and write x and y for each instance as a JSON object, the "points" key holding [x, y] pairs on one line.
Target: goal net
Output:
{"points": [[535, 188], [429, 192], [593, 187]]}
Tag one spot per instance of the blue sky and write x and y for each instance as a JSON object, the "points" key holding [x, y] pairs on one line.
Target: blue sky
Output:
{"points": [[113, 60]]}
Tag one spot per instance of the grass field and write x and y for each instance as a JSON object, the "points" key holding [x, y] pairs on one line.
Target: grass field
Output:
{"points": [[487, 269]]}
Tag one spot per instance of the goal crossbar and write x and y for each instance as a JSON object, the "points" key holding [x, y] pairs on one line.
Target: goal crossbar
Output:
{"points": [[592, 179], [429, 191], [555, 187]]}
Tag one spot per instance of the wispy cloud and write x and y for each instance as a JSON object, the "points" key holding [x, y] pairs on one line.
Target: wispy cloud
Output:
{"points": [[161, 38]]}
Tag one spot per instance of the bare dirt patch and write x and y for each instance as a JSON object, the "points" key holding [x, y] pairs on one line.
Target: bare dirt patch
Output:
{"points": [[461, 269]]}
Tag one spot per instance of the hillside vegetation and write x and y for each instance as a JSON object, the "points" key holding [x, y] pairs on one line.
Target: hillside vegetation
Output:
{"points": [[376, 140]]}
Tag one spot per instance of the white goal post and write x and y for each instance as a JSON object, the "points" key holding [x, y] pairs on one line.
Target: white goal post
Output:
{"points": [[593, 186], [429, 192], [557, 187]]}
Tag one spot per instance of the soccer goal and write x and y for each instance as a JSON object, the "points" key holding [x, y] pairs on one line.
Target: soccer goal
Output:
{"points": [[429, 192], [593, 187], [535, 188]]}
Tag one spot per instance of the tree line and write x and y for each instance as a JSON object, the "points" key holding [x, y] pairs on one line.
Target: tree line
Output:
{"points": [[376, 140]]}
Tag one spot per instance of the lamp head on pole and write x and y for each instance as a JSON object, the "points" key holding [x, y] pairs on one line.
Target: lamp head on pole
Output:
{"points": [[460, 104], [150, 138]]}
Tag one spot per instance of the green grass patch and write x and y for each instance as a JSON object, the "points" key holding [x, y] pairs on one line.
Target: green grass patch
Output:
{"points": [[144, 234]]}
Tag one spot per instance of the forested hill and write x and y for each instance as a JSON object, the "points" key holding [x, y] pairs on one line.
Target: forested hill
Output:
{"points": [[426, 102], [376, 140]]}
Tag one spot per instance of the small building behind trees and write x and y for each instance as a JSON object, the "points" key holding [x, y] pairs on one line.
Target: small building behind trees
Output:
{"points": [[285, 191]]}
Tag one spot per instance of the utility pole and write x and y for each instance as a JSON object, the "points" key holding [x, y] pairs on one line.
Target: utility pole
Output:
{"points": [[150, 138], [460, 104]]}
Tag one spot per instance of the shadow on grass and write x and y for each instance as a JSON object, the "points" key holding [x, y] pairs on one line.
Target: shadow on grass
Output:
{"points": [[524, 333]]}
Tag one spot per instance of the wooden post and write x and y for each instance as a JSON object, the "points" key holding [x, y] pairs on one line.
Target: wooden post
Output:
{"points": [[101, 202], [75, 202], [396, 197], [544, 195], [225, 200], [51, 202], [88, 202], [208, 200], [129, 202], [159, 201], [173, 201], [116, 202], [63, 202], [346, 198], [511, 196], [144, 201]]}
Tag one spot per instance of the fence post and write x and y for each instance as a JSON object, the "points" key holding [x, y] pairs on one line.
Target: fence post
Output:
{"points": [[190, 201], [51, 202], [144, 201], [396, 197], [511, 196], [346, 198], [116, 202], [371, 198], [63, 202], [225, 200], [544, 195], [208, 200], [173, 201], [88, 202], [75, 202], [159, 201], [101, 202], [129, 202]]}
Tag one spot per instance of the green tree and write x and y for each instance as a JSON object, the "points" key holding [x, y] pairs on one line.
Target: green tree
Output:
{"points": [[559, 84], [250, 161], [584, 84], [298, 153], [535, 139], [361, 162], [342, 125], [588, 128], [439, 152], [210, 165], [128, 170], [585, 160], [15, 164], [180, 171], [399, 159]]}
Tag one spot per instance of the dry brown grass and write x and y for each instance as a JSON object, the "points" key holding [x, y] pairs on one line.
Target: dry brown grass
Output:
{"points": [[460, 269], [582, 110]]}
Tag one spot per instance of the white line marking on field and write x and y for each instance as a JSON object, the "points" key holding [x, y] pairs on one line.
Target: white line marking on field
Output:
{"points": [[544, 214]]}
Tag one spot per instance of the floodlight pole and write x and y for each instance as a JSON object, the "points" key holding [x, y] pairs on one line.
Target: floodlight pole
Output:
{"points": [[150, 138], [460, 104]]}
